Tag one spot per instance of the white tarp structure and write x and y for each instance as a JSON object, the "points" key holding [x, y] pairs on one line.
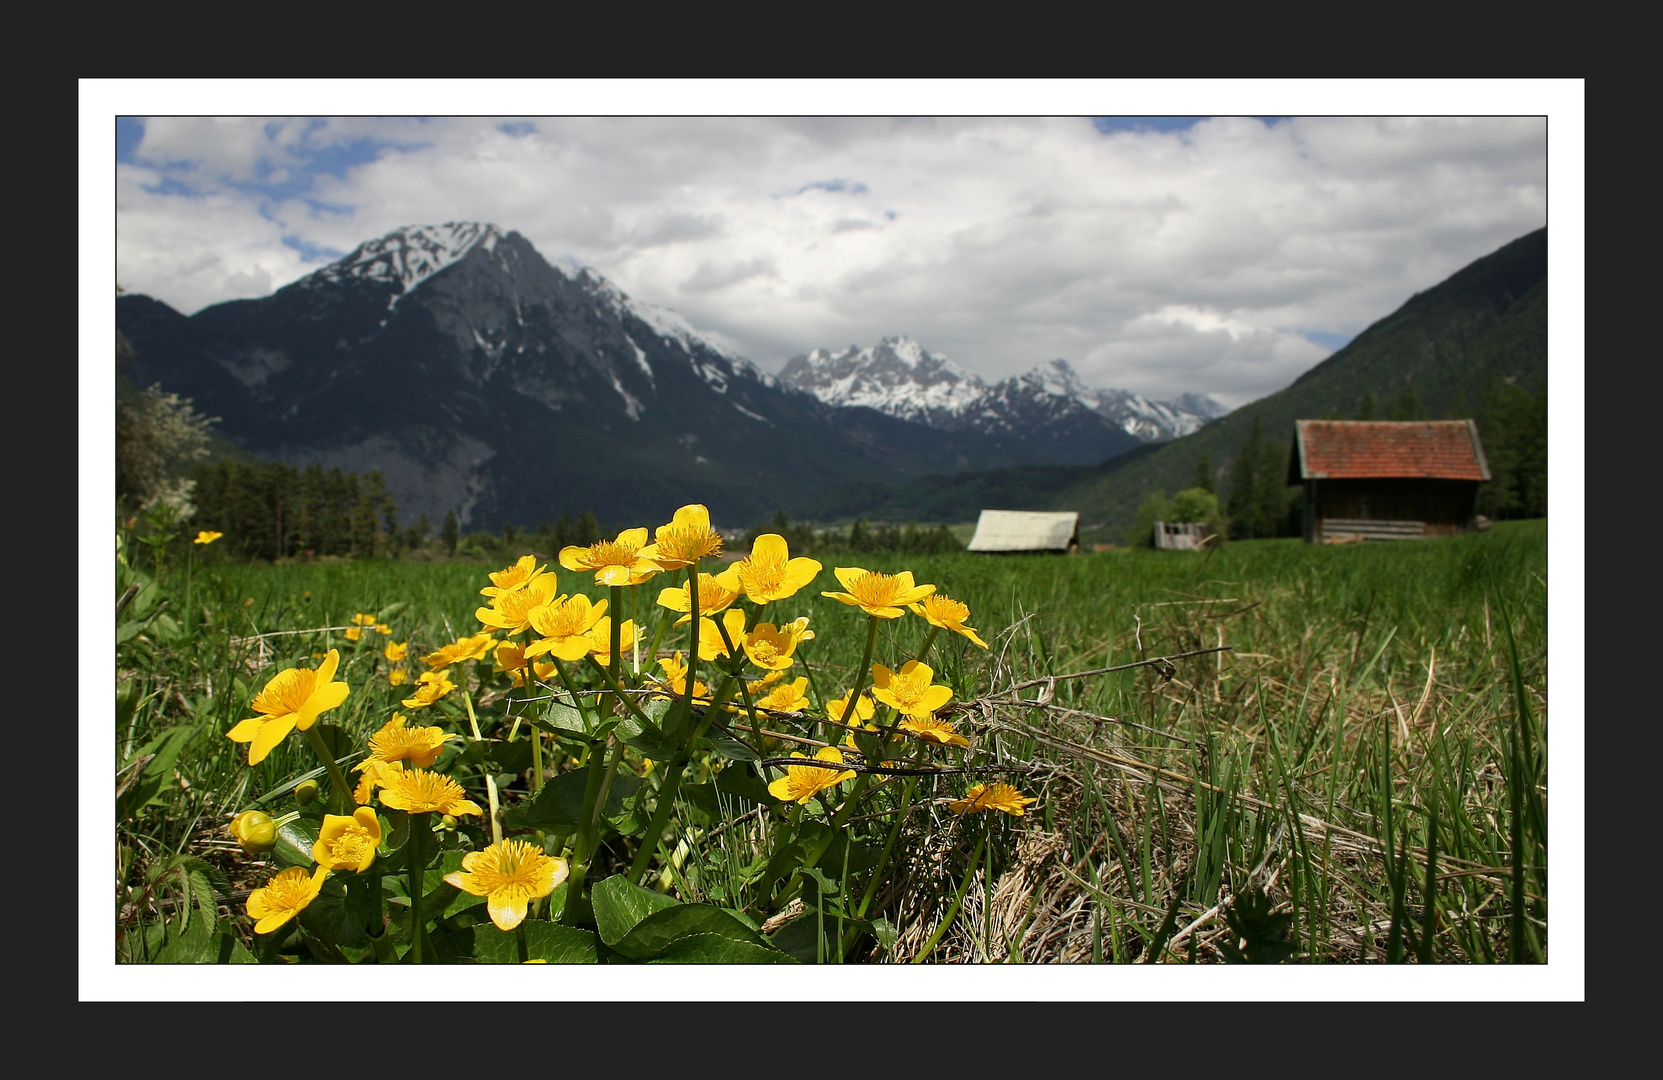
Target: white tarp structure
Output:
{"points": [[1026, 530]]}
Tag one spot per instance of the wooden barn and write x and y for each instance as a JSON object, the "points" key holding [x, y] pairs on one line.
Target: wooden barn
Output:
{"points": [[1027, 530], [1387, 479]]}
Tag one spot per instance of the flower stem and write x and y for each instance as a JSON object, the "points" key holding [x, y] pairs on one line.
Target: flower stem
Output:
{"points": [[340, 791], [929, 639], [418, 830], [672, 781], [693, 609], [490, 780]]}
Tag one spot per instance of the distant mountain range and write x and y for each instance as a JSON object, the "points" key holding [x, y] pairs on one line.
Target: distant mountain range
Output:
{"points": [[1486, 321], [478, 377], [1048, 408]]}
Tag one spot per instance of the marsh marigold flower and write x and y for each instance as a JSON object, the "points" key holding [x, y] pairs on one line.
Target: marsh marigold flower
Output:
{"points": [[563, 626], [675, 675], [864, 711], [947, 613], [685, 540], [284, 897], [207, 536], [398, 741], [786, 697], [347, 843], [511, 611], [991, 797], [254, 831], [396, 650], [770, 647], [615, 562], [910, 691], [933, 729], [474, 647], [398, 677], [802, 782], [292, 699], [769, 573], [418, 791], [714, 596], [600, 637], [509, 874], [882, 595], [430, 687], [514, 577]]}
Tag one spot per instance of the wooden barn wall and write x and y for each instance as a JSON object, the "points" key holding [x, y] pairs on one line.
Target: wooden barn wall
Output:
{"points": [[1445, 505]]}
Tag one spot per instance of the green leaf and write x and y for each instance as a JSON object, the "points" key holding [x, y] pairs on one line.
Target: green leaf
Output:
{"points": [[550, 942], [511, 757], [193, 944], [558, 716], [559, 804], [294, 842], [620, 905], [163, 752], [741, 783], [696, 933], [450, 864], [340, 912], [729, 747], [714, 948]]}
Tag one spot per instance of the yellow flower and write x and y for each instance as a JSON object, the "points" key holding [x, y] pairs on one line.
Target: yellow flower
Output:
{"points": [[396, 650], [207, 536], [878, 594], [463, 648], [770, 646], [769, 573], [947, 613], [371, 779], [254, 831], [397, 741], [284, 897], [361, 619], [292, 699], [933, 729], [514, 577], [601, 638], [509, 874], [757, 686], [864, 710], [430, 687], [353, 633], [347, 843], [398, 676], [685, 540], [802, 782], [418, 791], [383, 629], [615, 562], [787, 697], [564, 625], [511, 611], [675, 675], [909, 691], [997, 797], [714, 596]]}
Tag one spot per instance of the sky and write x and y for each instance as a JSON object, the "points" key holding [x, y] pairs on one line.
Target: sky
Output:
{"points": [[1163, 253], [1157, 250]]}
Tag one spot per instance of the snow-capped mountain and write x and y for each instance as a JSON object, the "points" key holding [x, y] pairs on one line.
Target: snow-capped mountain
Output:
{"points": [[478, 377], [1048, 406]]}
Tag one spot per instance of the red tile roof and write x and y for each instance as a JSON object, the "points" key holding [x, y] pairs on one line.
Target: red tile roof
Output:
{"points": [[1371, 449]]}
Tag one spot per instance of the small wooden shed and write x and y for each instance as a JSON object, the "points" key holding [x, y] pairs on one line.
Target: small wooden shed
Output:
{"points": [[1387, 479], [1027, 530]]}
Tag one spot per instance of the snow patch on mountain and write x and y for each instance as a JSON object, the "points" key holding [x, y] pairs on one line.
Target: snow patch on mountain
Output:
{"points": [[901, 378], [412, 254]]}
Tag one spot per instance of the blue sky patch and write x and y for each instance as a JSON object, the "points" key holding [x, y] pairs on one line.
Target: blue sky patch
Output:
{"points": [[517, 128], [853, 187], [309, 251], [1327, 340], [129, 132]]}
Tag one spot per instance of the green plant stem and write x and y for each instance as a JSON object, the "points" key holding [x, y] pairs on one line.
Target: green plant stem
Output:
{"points": [[340, 790], [418, 857], [490, 780], [693, 626], [672, 782], [952, 912], [929, 639]]}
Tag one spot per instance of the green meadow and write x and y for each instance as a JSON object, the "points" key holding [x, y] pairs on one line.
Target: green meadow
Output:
{"points": [[1269, 752]]}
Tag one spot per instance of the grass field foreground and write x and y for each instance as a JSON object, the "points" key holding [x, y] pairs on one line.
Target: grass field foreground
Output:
{"points": [[1269, 752]]}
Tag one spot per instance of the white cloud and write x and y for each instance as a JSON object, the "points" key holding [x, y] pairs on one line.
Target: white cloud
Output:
{"points": [[1001, 241]]}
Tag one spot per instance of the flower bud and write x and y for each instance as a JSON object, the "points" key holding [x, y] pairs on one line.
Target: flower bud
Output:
{"points": [[305, 791], [255, 831], [448, 822]]}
